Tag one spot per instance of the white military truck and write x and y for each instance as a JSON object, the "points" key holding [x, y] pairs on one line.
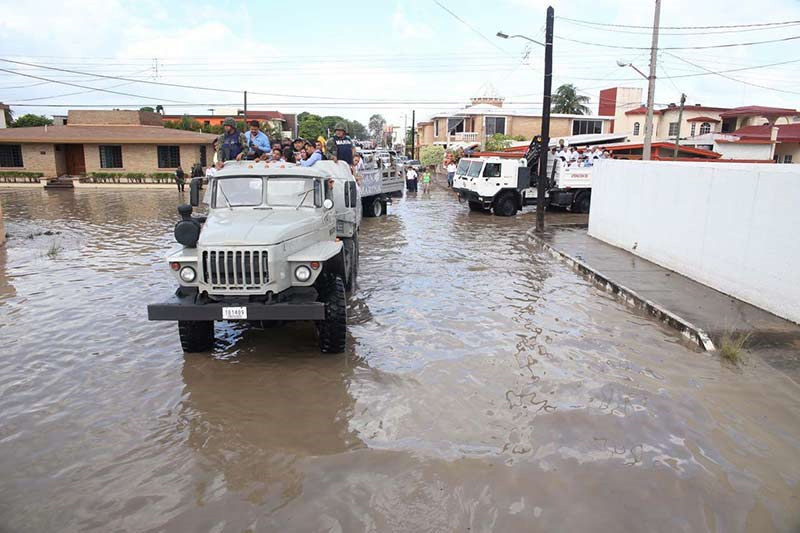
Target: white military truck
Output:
{"points": [[570, 187], [279, 243], [380, 181], [501, 184]]}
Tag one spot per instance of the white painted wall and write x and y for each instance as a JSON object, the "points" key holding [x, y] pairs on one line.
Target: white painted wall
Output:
{"points": [[732, 226], [742, 150]]}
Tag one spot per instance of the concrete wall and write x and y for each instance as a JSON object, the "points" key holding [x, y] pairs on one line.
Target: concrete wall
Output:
{"points": [[742, 150], [38, 158], [732, 226]]}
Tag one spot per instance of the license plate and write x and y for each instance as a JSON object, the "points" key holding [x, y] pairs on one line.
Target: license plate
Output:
{"points": [[234, 313]]}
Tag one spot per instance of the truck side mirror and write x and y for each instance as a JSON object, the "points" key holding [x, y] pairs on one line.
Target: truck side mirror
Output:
{"points": [[194, 192]]}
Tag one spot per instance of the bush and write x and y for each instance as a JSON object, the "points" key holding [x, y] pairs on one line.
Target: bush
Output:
{"points": [[15, 176], [430, 156], [499, 142]]}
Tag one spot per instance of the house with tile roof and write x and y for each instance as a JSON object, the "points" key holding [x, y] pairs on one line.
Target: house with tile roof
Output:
{"points": [[115, 142]]}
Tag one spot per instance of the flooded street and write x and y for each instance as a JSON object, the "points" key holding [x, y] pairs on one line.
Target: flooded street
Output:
{"points": [[486, 387]]}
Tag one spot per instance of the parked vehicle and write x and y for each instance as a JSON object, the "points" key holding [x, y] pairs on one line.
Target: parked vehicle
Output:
{"points": [[278, 243], [380, 181]]}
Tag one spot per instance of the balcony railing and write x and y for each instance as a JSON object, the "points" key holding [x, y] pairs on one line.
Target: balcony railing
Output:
{"points": [[466, 136]]}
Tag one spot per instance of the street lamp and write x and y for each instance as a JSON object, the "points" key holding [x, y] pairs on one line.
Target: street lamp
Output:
{"points": [[506, 36], [648, 118], [548, 86]]}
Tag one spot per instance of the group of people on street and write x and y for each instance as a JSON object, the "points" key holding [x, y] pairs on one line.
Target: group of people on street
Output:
{"points": [[413, 178]]}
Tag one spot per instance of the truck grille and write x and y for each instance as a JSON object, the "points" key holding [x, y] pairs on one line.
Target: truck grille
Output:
{"points": [[235, 270]]}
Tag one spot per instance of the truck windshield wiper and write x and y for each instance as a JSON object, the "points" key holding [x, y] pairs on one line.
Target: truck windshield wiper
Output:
{"points": [[303, 199], [225, 196]]}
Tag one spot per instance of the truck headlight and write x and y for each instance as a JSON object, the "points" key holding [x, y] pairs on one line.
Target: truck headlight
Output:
{"points": [[188, 274], [302, 273]]}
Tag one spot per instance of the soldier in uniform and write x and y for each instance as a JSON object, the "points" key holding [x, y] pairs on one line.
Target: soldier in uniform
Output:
{"points": [[340, 146], [231, 144]]}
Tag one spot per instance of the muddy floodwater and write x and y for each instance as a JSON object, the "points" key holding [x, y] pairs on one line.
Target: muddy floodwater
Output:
{"points": [[486, 387]]}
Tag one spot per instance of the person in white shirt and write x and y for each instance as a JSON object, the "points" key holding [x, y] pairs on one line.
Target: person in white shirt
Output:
{"points": [[451, 173], [573, 155], [411, 179]]}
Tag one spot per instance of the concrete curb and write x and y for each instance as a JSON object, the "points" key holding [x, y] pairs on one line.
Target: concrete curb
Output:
{"points": [[629, 296]]}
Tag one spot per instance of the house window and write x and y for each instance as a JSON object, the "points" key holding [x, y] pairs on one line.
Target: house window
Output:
{"points": [[11, 155], [111, 156], [787, 158], [636, 127], [203, 158], [455, 125], [705, 128], [694, 126], [584, 126], [673, 129], [169, 157], [436, 127], [206, 123], [495, 125]]}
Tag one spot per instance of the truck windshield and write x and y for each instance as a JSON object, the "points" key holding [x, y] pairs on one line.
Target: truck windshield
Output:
{"points": [[239, 191], [474, 169], [294, 192], [463, 165]]}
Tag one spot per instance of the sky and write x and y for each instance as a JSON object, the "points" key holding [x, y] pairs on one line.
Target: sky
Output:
{"points": [[357, 58]]}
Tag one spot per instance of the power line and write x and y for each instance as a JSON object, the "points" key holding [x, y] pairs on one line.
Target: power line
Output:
{"points": [[471, 27], [87, 87], [733, 79], [705, 32], [762, 24], [705, 47]]}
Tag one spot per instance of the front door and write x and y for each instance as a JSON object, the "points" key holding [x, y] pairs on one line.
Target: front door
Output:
{"points": [[76, 164]]}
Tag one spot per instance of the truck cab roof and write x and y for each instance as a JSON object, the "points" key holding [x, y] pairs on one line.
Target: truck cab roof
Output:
{"points": [[321, 169]]}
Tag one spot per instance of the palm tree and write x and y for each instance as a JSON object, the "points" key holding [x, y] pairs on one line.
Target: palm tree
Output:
{"points": [[567, 100]]}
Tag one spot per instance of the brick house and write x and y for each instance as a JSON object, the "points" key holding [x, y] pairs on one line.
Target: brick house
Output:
{"points": [[103, 142]]}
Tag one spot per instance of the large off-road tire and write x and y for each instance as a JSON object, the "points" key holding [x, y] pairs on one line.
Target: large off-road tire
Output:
{"points": [[505, 205], [196, 336], [475, 206], [351, 261], [375, 207], [332, 331], [582, 203]]}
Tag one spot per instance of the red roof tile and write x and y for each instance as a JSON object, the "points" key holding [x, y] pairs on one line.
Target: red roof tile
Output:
{"points": [[703, 119], [786, 132], [758, 110]]}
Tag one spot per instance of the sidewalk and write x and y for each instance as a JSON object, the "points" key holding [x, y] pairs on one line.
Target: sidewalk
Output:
{"points": [[696, 310]]}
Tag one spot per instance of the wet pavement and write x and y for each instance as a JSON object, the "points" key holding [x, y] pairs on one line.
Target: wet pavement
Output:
{"points": [[486, 388]]}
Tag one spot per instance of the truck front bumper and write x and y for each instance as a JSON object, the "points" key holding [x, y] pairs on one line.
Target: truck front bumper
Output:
{"points": [[471, 196], [185, 305]]}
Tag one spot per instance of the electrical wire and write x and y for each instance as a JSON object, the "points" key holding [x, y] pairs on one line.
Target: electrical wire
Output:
{"points": [[471, 27], [649, 32], [704, 47], [762, 24], [733, 79]]}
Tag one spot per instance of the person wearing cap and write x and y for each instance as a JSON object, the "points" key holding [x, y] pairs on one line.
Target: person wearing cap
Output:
{"points": [[257, 141], [340, 145], [231, 144]]}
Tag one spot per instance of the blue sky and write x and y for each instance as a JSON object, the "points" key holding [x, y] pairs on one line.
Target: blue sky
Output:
{"points": [[358, 58]]}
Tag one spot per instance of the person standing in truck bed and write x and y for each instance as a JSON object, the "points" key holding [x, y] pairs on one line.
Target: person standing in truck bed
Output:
{"points": [[340, 145]]}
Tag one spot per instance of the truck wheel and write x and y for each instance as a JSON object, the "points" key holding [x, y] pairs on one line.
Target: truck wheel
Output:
{"points": [[376, 209], [582, 203], [351, 261], [332, 331], [196, 336], [505, 205], [475, 206]]}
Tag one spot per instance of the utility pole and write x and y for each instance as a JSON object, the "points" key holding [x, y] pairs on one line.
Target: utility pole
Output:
{"points": [[245, 110], [413, 132], [680, 120], [405, 134], [541, 182], [651, 87]]}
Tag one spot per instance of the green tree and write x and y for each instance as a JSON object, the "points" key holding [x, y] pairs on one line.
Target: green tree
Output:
{"points": [[498, 141], [375, 126], [310, 127], [567, 100], [184, 123], [357, 130], [147, 108], [28, 120], [431, 155]]}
